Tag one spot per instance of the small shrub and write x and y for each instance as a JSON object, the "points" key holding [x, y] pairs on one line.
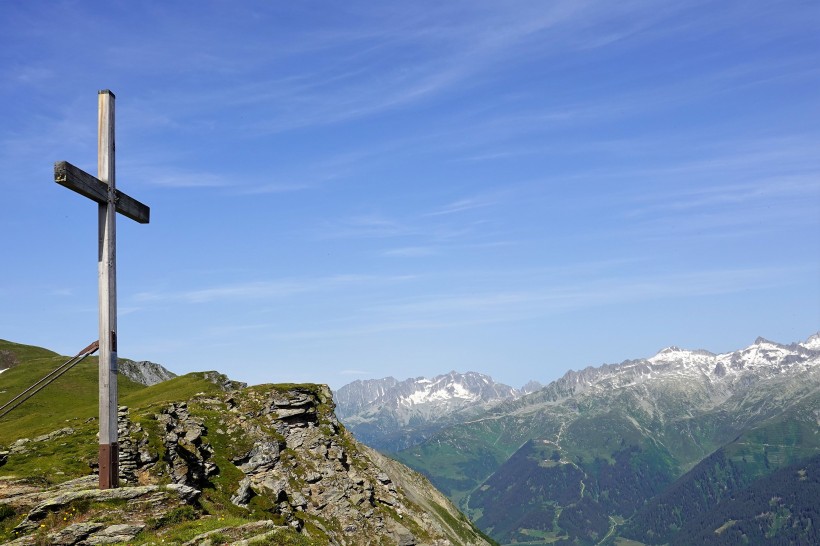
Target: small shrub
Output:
{"points": [[177, 515], [6, 511], [288, 537], [218, 538]]}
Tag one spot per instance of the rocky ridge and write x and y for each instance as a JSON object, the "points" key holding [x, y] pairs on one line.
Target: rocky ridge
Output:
{"points": [[145, 372], [274, 456]]}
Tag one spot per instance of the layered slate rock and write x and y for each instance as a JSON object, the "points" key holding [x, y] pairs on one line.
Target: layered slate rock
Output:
{"points": [[135, 505]]}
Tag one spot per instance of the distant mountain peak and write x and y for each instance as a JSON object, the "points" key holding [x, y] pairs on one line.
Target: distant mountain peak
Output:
{"points": [[813, 342], [531, 386], [669, 350], [145, 372], [405, 412], [674, 351]]}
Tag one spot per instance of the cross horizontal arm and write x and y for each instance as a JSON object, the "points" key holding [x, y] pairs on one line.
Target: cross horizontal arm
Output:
{"points": [[95, 189]]}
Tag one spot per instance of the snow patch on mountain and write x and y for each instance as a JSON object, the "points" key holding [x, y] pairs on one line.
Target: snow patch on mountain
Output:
{"points": [[390, 414], [813, 343], [674, 373], [431, 394]]}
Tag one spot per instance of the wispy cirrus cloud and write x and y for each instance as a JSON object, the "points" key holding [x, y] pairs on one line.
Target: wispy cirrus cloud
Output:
{"points": [[182, 179], [266, 290], [62, 292], [568, 295], [412, 251], [461, 205], [438, 48], [367, 226], [536, 297]]}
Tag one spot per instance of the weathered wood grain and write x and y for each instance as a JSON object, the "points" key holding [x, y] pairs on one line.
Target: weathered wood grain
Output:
{"points": [[90, 186]]}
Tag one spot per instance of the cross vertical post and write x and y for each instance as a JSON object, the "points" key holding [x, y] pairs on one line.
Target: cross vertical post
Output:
{"points": [[110, 201], [107, 264]]}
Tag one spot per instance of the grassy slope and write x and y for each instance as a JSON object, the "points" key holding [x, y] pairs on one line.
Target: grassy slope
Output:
{"points": [[71, 401], [70, 398], [25, 352]]}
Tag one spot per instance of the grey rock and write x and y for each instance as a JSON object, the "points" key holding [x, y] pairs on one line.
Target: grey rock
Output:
{"points": [[263, 456], [193, 434], [277, 489], [114, 534], [146, 456], [223, 382], [297, 500], [185, 492], [243, 494], [20, 446], [54, 434], [144, 372], [404, 537], [312, 477], [189, 463], [74, 533], [146, 493], [285, 413]]}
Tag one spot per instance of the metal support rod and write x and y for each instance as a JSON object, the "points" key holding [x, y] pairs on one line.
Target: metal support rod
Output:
{"points": [[47, 380]]}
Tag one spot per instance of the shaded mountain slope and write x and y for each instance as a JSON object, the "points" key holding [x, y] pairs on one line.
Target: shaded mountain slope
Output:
{"points": [[779, 509], [630, 430]]}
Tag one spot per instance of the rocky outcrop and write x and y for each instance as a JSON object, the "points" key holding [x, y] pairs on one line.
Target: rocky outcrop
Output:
{"points": [[23, 445], [151, 495], [136, 505], [276, 455], [185, 452], [144, 372], [302, 462]]}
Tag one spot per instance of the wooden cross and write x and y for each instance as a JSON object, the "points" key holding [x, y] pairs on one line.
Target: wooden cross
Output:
{"points": [[110, 201]]}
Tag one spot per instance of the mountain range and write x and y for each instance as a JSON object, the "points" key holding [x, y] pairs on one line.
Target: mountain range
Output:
{"points": [[391, 415], [634, 451]]}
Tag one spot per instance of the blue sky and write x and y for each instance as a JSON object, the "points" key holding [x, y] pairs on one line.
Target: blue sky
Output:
{"points": [[349, 190]]}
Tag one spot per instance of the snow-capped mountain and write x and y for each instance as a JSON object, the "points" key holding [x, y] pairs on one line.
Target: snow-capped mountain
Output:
{"points": [[621, 434], [391, 414], [704, 379]]}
